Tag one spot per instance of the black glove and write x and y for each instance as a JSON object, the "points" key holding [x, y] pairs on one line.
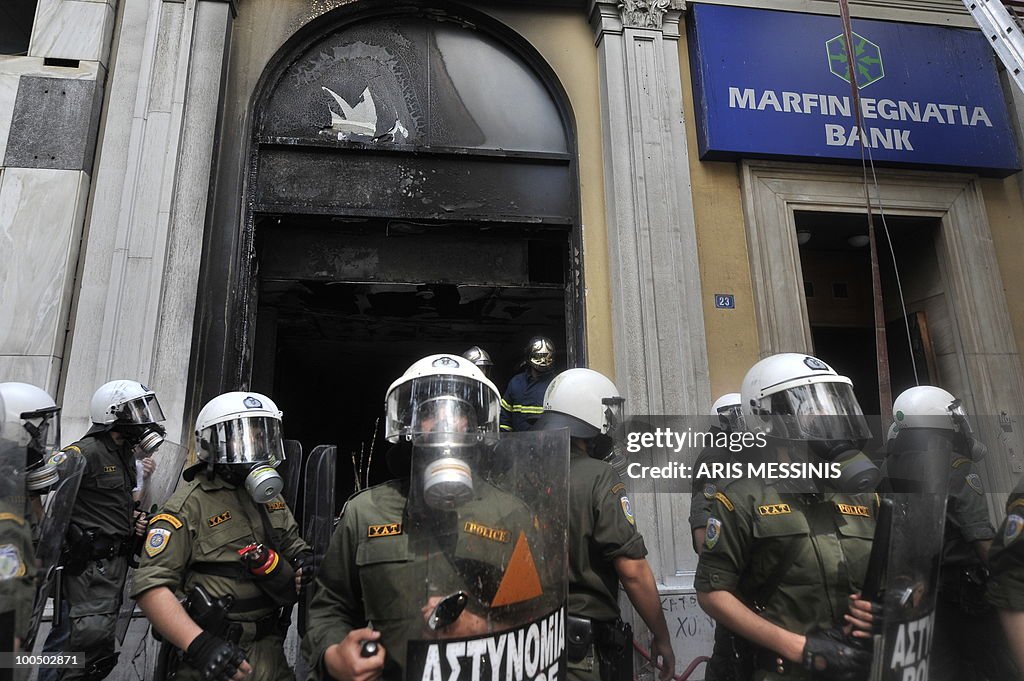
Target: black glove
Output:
{"points": [[305, 563], [830, 655], [214, 658]]}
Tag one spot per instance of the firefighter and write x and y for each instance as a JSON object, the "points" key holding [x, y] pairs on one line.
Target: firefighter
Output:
{"points": [[783, 563], [480, 358], [228, 542], [522, 403]]}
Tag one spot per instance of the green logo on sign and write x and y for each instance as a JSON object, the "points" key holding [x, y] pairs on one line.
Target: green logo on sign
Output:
{"points": [[867, 60]]}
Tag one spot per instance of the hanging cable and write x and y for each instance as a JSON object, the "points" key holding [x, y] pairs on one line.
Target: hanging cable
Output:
{"points": [[881, 346]]}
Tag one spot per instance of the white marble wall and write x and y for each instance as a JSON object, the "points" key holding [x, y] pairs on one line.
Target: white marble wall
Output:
{"points": [[73, 29], [40, 213]]}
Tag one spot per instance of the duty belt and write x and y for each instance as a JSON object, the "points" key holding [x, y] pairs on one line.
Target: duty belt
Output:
{"points": [[106, 547]]}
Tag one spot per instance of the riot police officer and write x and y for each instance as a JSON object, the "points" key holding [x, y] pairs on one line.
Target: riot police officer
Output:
{"points": [[228, 542], [439, 529], [782, 563], [29, 433], [125, 414], [605, 546], [1006, 585], [522, 403], [725, 418], [967, 642]]}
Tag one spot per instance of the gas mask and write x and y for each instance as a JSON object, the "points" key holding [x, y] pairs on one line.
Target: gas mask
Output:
{"points": [[261, 480], [146, 438], [857, 473], [446, 446]]}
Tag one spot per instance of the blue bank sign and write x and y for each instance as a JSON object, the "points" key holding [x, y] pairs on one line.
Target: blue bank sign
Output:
{"points": [[777, 84]]}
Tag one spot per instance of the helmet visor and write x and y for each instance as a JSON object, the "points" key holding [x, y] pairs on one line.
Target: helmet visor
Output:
{"points": [[145, 409], [441, 404], [818, 411], [247, 440]]}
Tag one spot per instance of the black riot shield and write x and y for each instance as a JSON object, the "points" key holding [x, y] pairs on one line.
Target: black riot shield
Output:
{"points": [[487, 537], [291, 471], [318, 512], [917, 476], [154, 494], [52, 530], [16, 553]]}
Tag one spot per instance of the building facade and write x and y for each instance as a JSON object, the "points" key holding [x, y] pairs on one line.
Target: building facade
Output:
{"points": [[302, 197]]}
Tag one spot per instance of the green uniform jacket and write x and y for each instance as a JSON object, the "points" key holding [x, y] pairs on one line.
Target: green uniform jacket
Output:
{"points": [[209, 521], [104, 501], [375, 572], [822, 541], [966, 520], [601, 528], [17, 574], [1006, 585]]}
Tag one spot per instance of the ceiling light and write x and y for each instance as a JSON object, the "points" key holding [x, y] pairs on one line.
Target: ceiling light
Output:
{"points": [[802, 236], [859, 240]]}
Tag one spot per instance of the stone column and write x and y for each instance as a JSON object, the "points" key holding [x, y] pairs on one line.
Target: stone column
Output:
{"points": [[660, 351], [140, 271]]}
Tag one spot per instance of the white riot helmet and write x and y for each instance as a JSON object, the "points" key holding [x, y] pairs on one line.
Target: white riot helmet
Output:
{"points": [[125, 401], [813, 401], [442, 394], [31, 420], [132, 409], [798, 398], [447, 408], [584, 401], [243, 429], [926, 406], [726, 412], [929, 407]]}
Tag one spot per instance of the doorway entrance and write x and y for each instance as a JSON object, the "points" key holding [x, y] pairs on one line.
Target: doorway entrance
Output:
{"points": [[346, 307], [836, 267]]}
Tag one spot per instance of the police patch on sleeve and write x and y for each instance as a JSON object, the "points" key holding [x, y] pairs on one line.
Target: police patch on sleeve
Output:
{"points": [[712, 533], [157, 540], [58, 458], [974, 480], [1014, 527], [627, 509], [11, 564]]}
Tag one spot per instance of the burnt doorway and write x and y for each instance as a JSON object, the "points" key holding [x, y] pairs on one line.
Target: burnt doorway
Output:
{"points": [[347, 306], [836, 267], [411, 187]]}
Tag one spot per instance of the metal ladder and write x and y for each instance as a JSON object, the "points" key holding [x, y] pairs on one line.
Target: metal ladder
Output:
{"points": [[1004, 33]]}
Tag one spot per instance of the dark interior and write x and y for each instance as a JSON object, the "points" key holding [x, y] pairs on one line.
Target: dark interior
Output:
{"points": [[346, 307], [843, 331]]}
